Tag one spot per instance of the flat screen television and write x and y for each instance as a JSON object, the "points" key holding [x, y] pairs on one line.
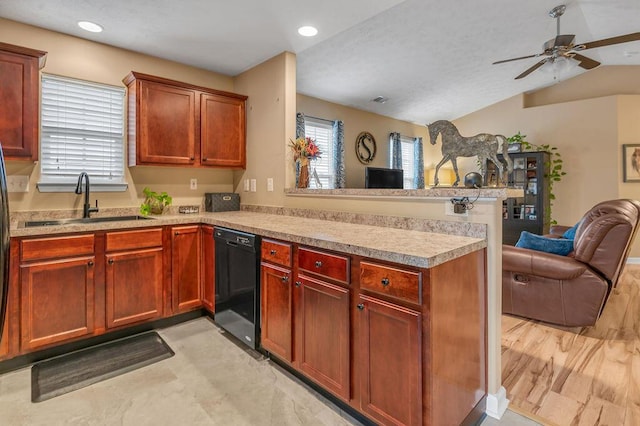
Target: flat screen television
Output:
{"points": [[378, 177]]}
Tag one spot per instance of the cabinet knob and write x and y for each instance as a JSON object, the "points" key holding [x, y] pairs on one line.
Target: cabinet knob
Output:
{"points": [[385, 282], [285, 279], [192, 158], [361, 306], [110, 262], [204, 159], [177, 233], [318, 264], [90, 263], [298, 283], [273, 252]]}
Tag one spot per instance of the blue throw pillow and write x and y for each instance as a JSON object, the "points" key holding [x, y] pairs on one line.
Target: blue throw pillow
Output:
{"points": [[550, 245], [570, 234]]}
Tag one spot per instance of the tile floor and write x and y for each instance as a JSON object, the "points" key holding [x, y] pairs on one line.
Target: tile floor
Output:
{"points": [[210, 381]]}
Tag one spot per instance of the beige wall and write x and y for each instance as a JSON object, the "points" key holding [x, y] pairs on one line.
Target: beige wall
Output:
{"points": [[78, 58], [271, 87]]}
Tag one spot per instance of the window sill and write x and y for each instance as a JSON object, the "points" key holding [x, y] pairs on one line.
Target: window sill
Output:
{"points": [[71, 187]]}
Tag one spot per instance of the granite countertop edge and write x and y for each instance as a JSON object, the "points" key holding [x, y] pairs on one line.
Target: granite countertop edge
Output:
{"points": [[407, 247]]}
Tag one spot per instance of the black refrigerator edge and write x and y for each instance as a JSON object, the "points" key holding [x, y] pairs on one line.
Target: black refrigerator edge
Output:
{"points": [[4, 242]]}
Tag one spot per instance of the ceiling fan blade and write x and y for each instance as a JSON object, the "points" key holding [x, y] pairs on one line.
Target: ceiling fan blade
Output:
{"points": [[531, 69], [613, 40], [586, 63], [517, 59], [564, 40]]}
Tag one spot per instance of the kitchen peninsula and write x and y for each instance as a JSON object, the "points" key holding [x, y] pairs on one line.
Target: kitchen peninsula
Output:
{"points": [[410, 347]]}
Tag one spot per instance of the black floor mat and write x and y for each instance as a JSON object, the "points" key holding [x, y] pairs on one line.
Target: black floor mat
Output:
{"points": [[82, 368]]}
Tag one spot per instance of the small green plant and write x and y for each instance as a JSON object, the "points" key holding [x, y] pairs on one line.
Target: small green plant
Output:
{"points": [[555, 164], [154, 203]]}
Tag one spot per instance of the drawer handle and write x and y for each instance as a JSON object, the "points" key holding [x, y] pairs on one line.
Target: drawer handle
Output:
{"points": [[298, 283], [273, 252], [318, 264], [285, 279], [110, 262], [90, 263], [361, 306], [385, 282]]}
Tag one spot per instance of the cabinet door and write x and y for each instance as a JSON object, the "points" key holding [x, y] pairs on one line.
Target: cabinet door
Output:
{"points": [[322, 328], [167, 128], [208, 269], [276, 311], [4, 341], [222, 131], [133, 286], [390, 362], [57, 301], [185, 269], [19, 96]]}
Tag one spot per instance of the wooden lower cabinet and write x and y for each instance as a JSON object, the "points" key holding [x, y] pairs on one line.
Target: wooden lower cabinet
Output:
{"points": [[185, 268], [322, 331], [208, 269], [133, 284], [390, 361], [276, 311], [57, 301]]}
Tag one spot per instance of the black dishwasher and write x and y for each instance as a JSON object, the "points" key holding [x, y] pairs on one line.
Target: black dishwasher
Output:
{"points": [[237, 258]]}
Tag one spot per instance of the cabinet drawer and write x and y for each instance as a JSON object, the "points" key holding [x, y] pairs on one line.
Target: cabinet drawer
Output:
{"points": [[127, 240], [276, 252], [52, 247], [390, 281], [325, 264]]}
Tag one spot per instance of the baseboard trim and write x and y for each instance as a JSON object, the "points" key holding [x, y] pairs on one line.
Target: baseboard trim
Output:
{"points": [[497, 403], [633, 261]]}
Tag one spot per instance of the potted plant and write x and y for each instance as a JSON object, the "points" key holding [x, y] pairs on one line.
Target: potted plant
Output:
{"points": [[154, 203]]}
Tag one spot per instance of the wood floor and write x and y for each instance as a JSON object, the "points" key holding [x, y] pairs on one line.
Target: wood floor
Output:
{"points": [[578, 376]]}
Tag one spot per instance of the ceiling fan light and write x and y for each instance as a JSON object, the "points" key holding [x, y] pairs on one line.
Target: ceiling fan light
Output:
{"points": [[559, 65]]}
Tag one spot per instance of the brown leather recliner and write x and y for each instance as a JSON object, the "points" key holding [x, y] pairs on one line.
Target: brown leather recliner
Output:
{"points": [[571, 290]]}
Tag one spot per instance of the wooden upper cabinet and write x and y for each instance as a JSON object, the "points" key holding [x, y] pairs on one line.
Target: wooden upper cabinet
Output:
{"points": [[222, 131], [175, 123], [19, 100]]}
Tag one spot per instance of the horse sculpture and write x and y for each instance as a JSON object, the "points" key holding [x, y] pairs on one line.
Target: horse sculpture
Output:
{"points": [[483, 145]]}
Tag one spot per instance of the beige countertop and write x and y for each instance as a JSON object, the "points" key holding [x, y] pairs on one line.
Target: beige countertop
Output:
{"points": [[408, 247]]}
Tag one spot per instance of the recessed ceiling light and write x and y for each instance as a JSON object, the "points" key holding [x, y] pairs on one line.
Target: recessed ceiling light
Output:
{"points": [[90, 26], [307, 31]]}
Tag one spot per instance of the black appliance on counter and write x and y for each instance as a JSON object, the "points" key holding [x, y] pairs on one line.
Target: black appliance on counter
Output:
{"points": [[237, 310], [4, 243]]}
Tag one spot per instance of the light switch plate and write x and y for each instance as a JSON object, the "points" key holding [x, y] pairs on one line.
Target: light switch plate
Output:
{"points": [[193, 183], [253, 185], [270, 184], [246, 185]]}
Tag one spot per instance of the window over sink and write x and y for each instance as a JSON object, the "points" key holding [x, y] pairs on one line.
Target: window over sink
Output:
{"points": [[82, 129]]}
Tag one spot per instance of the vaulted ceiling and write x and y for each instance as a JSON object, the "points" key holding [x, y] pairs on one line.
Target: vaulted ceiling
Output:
{"points": [[432, 59]]}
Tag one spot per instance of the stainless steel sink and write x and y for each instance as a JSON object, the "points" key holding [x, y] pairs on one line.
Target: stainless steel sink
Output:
{"points": [[57, 222]]}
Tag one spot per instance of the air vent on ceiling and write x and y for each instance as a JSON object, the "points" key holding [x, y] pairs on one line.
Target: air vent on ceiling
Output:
{"points": [[380, 99]]}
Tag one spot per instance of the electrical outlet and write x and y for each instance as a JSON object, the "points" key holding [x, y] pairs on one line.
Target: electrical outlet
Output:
{"points": [[270, 184], [16, 183], [193, 184], [253, 185], [449, 210], [246, 185]]}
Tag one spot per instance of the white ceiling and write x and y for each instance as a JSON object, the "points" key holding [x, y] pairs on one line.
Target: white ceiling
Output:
{"points": [[431, 58]]}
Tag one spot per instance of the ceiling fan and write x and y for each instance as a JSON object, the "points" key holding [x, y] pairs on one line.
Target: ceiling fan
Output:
{"points": [[561, 48]]}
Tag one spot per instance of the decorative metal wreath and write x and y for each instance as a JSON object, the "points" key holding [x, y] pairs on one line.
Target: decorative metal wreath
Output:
{"points": [[365, 147]]}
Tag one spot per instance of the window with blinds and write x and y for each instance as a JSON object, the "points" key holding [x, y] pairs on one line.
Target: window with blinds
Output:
{"points": [[82, 129], [408, 166], [321, 131]]}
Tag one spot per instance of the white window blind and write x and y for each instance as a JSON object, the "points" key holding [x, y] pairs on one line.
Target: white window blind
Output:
{"points": [[321, 131], [82, 128], [408, 158]]}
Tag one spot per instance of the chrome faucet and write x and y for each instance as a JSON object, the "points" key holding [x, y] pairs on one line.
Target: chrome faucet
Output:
{"points": [[87, 209]]}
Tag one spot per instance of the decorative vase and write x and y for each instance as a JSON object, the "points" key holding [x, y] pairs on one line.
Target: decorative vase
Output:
{"points": [[303, 173]]}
